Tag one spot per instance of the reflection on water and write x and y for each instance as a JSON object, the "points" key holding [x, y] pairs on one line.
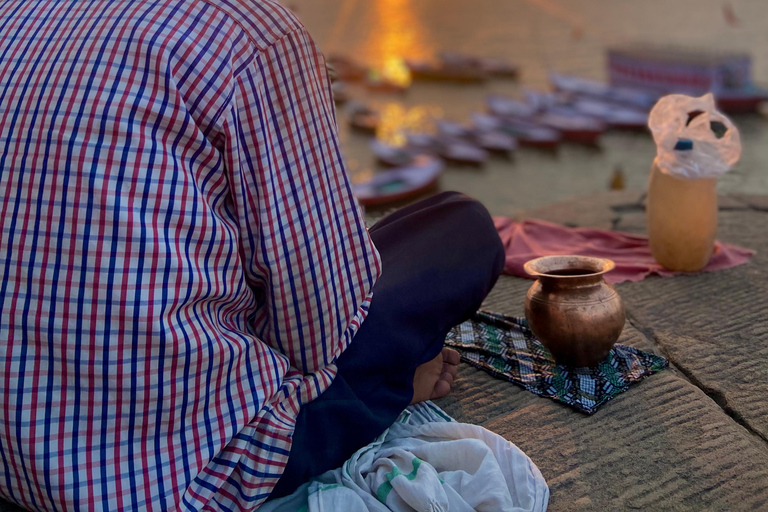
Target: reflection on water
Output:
{"points": [[395, 70], [397, 34], [397, 121], [568, 36]]}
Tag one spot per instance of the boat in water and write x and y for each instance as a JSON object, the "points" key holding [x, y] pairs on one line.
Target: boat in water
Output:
{"points": [[486, 122], [613, 115], [517, 119], [576, 128], [496, 141], [362, 118], [582, 112], [555, 111], [462, 151], [400, 183], [496, 68], [489, 135], [666, 70], [530, 134], [340, 93], [392, 156], [503, 107], [423, 143], [453, 129], [445, 72], [592, 89], [500, 69], [377, 82], [347, 69], [451, 148]]}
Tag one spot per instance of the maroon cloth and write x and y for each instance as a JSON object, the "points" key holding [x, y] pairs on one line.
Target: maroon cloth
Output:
{"points": [[530, 239]]}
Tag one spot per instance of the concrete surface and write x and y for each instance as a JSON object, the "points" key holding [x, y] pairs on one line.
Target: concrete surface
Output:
{"points": [[694, 437]]}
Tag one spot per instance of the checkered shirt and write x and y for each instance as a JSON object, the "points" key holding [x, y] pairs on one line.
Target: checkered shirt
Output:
{"points": [[182, 259]]}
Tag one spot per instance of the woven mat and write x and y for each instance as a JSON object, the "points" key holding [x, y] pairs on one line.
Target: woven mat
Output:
{"points": [[506, 348]]}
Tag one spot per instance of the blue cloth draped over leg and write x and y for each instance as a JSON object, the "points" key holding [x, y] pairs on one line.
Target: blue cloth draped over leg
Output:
{"points": [[441, 257]]}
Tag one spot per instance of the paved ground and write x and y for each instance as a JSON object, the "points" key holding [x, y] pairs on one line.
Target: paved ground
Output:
{"points": [[691, 438]]}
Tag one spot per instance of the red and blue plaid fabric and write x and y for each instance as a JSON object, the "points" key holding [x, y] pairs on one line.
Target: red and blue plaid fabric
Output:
{"points": [[182, 259], [505, 347]]}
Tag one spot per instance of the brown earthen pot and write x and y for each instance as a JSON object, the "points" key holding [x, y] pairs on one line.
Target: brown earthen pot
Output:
{"points": [[572, 310]]}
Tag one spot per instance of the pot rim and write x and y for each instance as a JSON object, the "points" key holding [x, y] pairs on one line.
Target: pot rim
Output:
{"points": [[544, 265]]}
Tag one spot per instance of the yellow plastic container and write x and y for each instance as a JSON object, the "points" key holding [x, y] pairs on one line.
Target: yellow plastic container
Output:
{"points": [[682, 220]]}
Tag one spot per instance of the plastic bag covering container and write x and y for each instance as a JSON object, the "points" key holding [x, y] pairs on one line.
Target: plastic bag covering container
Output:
{"points": [[695, 144]]}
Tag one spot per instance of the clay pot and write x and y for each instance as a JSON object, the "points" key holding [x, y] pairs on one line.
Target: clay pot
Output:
{"points": [[572, 310]]}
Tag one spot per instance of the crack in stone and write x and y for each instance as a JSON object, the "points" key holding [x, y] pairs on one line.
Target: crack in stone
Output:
{"points": [[715, 395]]}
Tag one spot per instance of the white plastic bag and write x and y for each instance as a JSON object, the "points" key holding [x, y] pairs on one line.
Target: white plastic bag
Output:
{"points": [[693, 139]]}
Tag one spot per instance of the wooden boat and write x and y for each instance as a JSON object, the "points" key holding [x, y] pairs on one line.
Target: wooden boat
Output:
{"points": [[490, 136], [737, 102], [526, 132], [500, 69], [340, 93], [400, 183], [362, 118], [453, 129], [452, 149], [491, 67], [613, 115], [503, 106], [486, 122], [423, 143], [542, 101], [666, 70], [583, 118], [489, 139], [583, 87], [391, 156], [573, 127], [422, 70], [496, 142], [461, 151], [347, 69], [377, 83], [531, 134]]}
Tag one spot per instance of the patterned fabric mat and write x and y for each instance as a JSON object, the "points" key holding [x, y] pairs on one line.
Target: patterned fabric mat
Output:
{"points": [[506, 348]]}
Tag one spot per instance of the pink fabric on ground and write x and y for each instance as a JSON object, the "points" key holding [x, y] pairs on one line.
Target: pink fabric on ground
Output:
{"points": [[530, 239]]}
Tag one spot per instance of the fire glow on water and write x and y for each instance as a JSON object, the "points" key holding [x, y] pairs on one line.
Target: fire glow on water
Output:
{"points": [[397, 121]]}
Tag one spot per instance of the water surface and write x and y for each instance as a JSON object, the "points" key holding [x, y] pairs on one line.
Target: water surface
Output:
{"points": [[568, 36]]}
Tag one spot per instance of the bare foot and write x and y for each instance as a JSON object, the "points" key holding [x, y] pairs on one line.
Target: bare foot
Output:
{"points": [[434, 379]]}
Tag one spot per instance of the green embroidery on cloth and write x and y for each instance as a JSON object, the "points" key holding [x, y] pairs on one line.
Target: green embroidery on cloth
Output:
{"points": [[386, 487]]}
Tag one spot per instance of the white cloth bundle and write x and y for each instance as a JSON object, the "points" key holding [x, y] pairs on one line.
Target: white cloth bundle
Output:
{"points": [[428, 463]]}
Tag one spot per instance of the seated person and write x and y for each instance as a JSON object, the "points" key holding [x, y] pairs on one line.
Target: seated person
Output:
{"points": [[193, 311]]}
